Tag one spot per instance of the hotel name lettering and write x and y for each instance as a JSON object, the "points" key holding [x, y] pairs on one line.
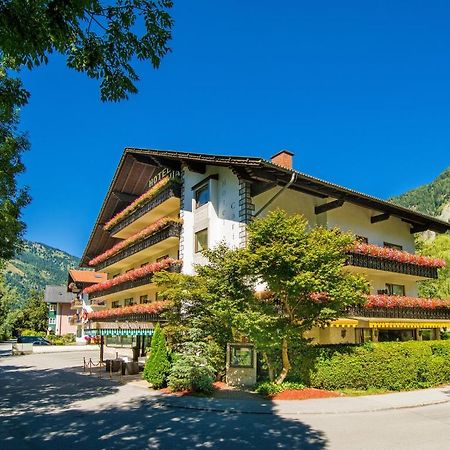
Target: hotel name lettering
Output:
{"points": [[163, 174]]}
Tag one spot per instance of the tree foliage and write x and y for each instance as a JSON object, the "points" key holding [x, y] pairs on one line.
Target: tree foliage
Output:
{"points": [[437, 248], [157, 365], [303, 274], [100, 38], [15, 317]]}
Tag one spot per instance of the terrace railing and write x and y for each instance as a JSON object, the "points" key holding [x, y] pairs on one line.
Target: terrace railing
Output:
{"points": [[399, 313], [171, 230], [378, 263], [173, 189], [126, 285]]}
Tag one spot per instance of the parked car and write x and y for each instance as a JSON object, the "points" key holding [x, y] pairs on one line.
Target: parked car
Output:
{"points": [[35, 340]]}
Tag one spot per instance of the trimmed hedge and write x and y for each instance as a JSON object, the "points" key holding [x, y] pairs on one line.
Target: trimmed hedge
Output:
{"points": [[393, 366]]}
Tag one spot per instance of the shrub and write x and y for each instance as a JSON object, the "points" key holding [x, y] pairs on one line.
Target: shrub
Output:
{"points": [[157, 365], [388, 365], [191, 372], [32, 333], [269, 388]]}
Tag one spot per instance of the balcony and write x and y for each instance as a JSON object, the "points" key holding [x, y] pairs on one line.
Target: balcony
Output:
{"points": [[97, 305], [162, 239], [128, 285], [149, 312], [400, 313], [164, 203], [388, 265], [76, 304]]}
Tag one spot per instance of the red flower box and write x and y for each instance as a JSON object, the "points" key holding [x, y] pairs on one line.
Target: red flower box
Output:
{"points": [[396, 255], [147, 308], [152, 192], [397, 301], [141, 235], [133, 275]]}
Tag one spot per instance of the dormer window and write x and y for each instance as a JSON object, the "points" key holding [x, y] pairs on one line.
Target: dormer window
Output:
{"points": [[202, 195]]}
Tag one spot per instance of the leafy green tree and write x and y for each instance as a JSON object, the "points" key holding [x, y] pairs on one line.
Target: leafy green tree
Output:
{"points": [[304, 270], [437, 248], [303, 274], [157, 366], [35, 312], [100, 38]]}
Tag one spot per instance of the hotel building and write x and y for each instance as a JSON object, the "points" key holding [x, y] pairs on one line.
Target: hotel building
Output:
{"points": [[164, 207]]}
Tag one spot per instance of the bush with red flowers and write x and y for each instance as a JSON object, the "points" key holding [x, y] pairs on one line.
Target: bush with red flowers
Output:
{"points": [[132, 275], [396, 255]]}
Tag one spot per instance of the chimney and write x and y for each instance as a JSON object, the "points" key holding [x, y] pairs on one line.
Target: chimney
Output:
{"points": [[283, 158]]}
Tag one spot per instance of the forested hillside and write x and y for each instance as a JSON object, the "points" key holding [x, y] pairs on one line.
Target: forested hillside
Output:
{"points": [[36, 266], [432, 198]]}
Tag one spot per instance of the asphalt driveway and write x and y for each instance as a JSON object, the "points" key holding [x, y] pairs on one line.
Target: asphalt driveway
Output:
{"points": [[46, 402]]}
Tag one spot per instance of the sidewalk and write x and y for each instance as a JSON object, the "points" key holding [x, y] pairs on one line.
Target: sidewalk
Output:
{"points": [[335, 405]]}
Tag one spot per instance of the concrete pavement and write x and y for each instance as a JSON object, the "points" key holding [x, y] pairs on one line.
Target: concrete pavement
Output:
{"points": [[45, 402]]}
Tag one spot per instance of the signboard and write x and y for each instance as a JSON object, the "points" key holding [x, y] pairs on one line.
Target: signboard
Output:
{"points": [[163, 174]]}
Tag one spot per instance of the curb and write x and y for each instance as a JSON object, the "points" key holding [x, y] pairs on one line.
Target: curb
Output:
{"points": [[275, 411]]}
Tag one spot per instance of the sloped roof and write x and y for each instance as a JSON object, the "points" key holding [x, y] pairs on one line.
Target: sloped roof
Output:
{"points": [[138, 165], [87, 276], [57, 294]]}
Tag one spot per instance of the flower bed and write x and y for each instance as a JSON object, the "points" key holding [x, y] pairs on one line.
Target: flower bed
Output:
{"points": [[141, 235], [152, 192], [147, 308], [396, 255], [396, 301], [133, 275]]}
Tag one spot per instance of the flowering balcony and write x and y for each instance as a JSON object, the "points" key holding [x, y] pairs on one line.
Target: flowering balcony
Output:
{"points": [[148, 312], [159, 201], [391, 260], [162, 234], [399, 307], [133, 279]]}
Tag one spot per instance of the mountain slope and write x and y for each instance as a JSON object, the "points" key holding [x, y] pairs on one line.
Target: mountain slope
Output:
{"points": [[432, 198], [36, 266]]}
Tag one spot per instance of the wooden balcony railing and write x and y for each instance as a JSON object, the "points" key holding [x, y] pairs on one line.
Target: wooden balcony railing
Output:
{"points": [[171, 230], [399, 313], [126, 285], [173, 189], [135, 317], [377, 263]]}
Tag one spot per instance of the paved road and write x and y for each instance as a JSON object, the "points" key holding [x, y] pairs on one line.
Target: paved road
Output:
{"points": [[46, 403]]}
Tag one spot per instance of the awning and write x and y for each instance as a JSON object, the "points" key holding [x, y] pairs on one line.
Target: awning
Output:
{"points": [[343, 323]]}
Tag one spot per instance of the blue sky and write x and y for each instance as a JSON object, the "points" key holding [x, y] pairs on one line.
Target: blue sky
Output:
{"points": [[359, 91]]}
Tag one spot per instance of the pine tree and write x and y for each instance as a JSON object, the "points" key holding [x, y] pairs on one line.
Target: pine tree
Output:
{"points": [[157, 366]]}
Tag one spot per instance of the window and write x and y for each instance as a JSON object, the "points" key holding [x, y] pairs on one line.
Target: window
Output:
{"points": [[162, 258], [394, 246], [202, 195], [362, 239], [115, 304], [52, 307], [143, 299], [128, 301], [52, 320], [395, 289], [201, 240]]}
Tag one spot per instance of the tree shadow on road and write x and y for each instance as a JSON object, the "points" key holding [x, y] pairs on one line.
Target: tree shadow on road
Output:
{"points": [[36, 414]]}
